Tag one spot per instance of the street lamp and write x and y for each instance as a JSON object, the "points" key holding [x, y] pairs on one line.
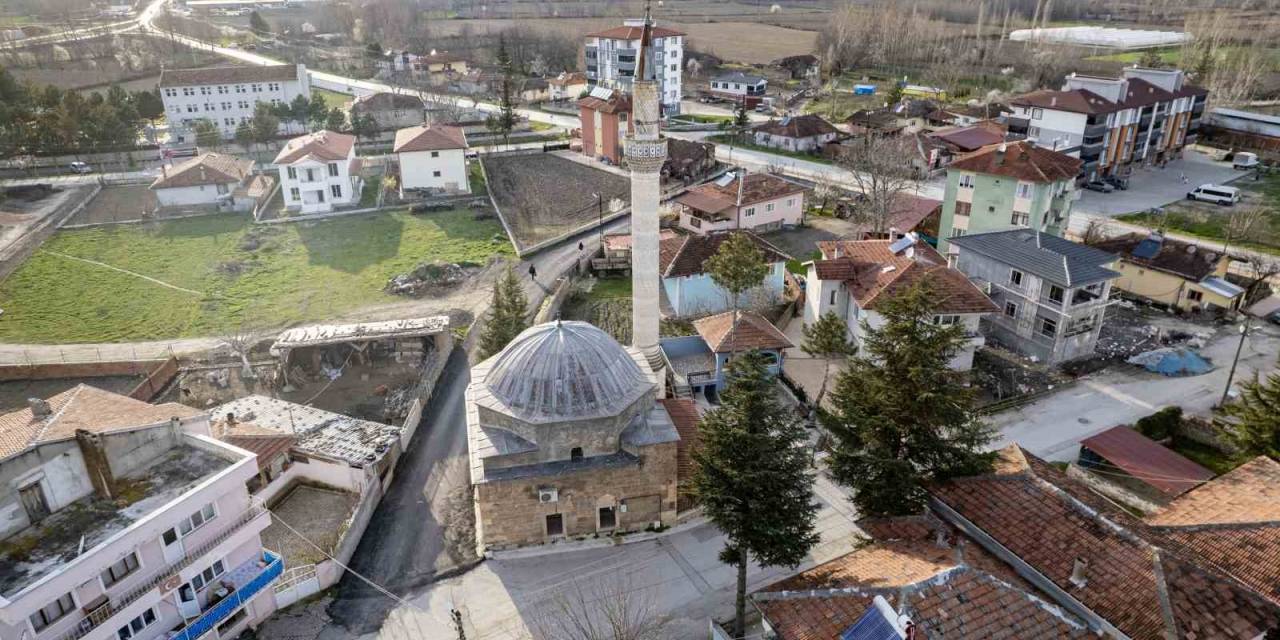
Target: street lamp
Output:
{"points": [[1244, 330], [600, 217]]}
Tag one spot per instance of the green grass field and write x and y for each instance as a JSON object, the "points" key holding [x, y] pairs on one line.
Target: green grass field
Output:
{"points": [[246, 275], [332, 98]]}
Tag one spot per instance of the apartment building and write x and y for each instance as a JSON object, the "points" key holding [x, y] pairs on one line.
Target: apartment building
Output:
{"points": [[1007, 185], [319, 171], [1144, 117], [122, 520], [611, 60], [1052, 294], [227, 96]]}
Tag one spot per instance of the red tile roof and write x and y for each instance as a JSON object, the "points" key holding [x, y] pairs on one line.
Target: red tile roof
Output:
{"points": [[82, 407], [1076, 100], [1147, 460], [633, 33], [616, 103], [806, 126], [1021, 160], [873, 273], [265, 447], [758, 187], [429, 137], [1249, 493], [684, 415], [686, 255], [322, 146], [206, 168], [751, 331]]}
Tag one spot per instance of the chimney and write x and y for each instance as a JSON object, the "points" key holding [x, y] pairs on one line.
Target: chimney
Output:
{"points": [[940, 538], [39, 407], [1000, 151], [1078, 573]]}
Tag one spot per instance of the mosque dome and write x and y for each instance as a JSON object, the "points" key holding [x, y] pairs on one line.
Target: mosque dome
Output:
{"points": [[565, 370]]}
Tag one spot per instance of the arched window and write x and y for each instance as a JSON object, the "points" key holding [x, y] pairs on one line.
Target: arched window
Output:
{"points": [[575, 454]]}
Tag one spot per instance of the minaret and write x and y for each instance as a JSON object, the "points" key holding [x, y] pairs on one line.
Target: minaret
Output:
{"points": [[645, 152]]}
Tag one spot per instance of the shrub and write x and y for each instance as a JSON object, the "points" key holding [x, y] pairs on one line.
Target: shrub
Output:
{"points": [[1161, 424]]}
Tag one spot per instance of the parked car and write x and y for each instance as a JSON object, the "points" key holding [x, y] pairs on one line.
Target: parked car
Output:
{"points": [[1118, 182], [1244, 160], [80, 167], [1099, 186], [1226, 196]]}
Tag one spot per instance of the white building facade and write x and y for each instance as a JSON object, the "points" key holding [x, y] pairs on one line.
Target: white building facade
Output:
{"points": [[432, 159], [227, 96], [611, 61], [319, 172]]}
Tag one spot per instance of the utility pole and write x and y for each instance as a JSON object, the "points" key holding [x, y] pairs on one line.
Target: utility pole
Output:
{"points": [[1244, 331], [456, 617]]}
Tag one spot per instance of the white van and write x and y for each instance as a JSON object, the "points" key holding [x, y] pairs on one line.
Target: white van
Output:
{"points": [[1244, 160], [1214, 193]]}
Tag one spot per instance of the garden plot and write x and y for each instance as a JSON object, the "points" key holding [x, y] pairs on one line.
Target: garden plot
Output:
{"points": [[543, 196]]}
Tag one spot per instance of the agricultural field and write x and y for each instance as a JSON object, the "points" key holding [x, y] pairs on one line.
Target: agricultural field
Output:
{"points": [[201, 276], [331, 98], [544, 196]]}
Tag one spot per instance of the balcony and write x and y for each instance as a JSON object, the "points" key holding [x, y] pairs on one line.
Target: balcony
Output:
{"points": [[249, 580], [1095, 130]]}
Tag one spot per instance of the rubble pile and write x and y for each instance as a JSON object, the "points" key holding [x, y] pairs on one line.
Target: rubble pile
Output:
{"points": [[429, 278]]}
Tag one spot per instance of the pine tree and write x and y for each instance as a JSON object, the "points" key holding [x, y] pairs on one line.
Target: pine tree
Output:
{"points": [[207, 133], [502, 122], [753, 476], [740, 118], [895, 94], [1257, 412], [507, 315], [737, 267], [335, 120], [258, 24], [900, 417], [827, 338]]}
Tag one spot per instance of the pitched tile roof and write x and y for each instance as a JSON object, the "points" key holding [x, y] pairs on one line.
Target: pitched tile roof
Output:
{"points": [[82, 407], [266, 448], [873, 273], [684, 415], [617, 102], [757, 187], [972, 137], [228, 75], [388, 101], [687, 255], [323, 146], [1249, 493], [805, 126], [627, 32], [1021, 160], [1076, 101], [429, 137], [1182, 259], [206, 168], [1147, 460], [566, 79], [1145, 590], [751, 331], [1057, 260]]}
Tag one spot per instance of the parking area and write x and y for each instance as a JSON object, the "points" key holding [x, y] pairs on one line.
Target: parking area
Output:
{"points": [[1153, 187]]}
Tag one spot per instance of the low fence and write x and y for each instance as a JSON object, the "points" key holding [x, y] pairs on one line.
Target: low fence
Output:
{"points": [[305, 580], [53, 371], [20, 249], [156, 381], [1019, 401], [550, 308]]}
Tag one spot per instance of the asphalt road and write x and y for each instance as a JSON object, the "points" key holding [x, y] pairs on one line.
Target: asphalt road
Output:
{"points": [[405, 540]]}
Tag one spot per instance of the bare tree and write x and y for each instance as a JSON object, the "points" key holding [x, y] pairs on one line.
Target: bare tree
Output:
{"points": [[1262, 268], [882, 170], [1095, 232], [1242, 222], [610, 608]]}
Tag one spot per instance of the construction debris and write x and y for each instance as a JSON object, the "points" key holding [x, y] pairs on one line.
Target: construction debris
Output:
{"points": [[431, 278]]}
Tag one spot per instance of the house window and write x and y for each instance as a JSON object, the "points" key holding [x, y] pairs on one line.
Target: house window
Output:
{"points": [[1195, 296], [1048, 327], [963, 208], [956, 233], [53, 612], [749, 211], [1056, 293], [295, 194], [136, 625], [1033, 132], [946, 320], [555, 524], [336, 190], [791, 202], [1015, 277], [435, 174], [1024, 189], [1019, 219], [311, 175], [435, 154], [608, 518], [118, 571], [210, 573], [966, 181], [1037, 113], [292, 173], [768, 207], [575, 454], [833, 296], [1011, 309], [333, 169]]}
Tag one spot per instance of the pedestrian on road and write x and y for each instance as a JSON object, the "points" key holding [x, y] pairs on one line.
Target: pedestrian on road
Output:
{"points": [[1184, 178], [533, 273]]}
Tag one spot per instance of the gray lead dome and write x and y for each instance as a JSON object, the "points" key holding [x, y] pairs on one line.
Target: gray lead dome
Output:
{"points": [[566, 370]]}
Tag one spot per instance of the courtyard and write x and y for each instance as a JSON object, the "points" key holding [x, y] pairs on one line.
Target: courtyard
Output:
{"points": [[208, 275]]}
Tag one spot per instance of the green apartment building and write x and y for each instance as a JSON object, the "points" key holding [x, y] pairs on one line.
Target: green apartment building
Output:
{"points": [[1007, 186]]}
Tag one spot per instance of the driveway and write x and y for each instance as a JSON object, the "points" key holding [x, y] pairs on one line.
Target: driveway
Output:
{"points": [[1151, 187], [1053, 427]]}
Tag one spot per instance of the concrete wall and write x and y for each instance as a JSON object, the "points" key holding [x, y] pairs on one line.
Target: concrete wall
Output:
{"points": [[699, 295], [57, 467], [418, 169], [206, 194]]}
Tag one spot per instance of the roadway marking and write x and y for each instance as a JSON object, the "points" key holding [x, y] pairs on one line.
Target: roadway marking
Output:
{"points": [[125, 271]]}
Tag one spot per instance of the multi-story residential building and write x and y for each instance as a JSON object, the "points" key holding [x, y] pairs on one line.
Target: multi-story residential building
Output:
{"points": [[1179, 275], [126, 521], [227, 96], [1004, 186], [1145, 116], [611, 60], [432, 158], [1051, 293], [319, 171], [740, 87], [854, 277], [758, 202]]}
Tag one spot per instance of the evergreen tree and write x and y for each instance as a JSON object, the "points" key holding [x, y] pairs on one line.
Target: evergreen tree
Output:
{"points": [[508, 315], [740, 118], [827, 338], [895, 94], [245, 134], [1257, 414], [317, 112], [899, 415], [335, 120], [1150, 59], [502, 122], [753, 476], [266, 125], [258, 24], [365, 126], [149, 105], [300, 110], [737, 267], [207, 133]]}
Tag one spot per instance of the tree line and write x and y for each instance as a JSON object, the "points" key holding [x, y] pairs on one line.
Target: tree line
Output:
{"points": [[47, 120]]}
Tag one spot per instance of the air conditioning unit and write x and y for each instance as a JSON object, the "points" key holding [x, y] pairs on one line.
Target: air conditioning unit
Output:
{"points": [[548, 495]]}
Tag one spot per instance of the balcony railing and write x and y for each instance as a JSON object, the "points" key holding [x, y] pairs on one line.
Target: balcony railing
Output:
{"points": [[104, 613], [250, 581]]}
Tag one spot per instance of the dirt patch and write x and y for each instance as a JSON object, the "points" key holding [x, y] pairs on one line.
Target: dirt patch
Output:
{"points": [[1130, 329], [118, 204], [1001, 374], [543, 196], [319, 514]]}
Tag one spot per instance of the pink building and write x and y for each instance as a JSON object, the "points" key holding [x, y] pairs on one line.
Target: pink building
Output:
{"points": [[759, 202], [122, 520]]}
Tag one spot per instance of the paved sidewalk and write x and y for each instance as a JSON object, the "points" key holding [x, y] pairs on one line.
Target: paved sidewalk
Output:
{"points": [[1151, 187]]}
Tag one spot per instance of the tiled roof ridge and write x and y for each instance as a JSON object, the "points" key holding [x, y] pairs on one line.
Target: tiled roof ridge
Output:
{"points": [[897, 274], [53, 417], [1052, 609], [1215, 526], [684, 242]]}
